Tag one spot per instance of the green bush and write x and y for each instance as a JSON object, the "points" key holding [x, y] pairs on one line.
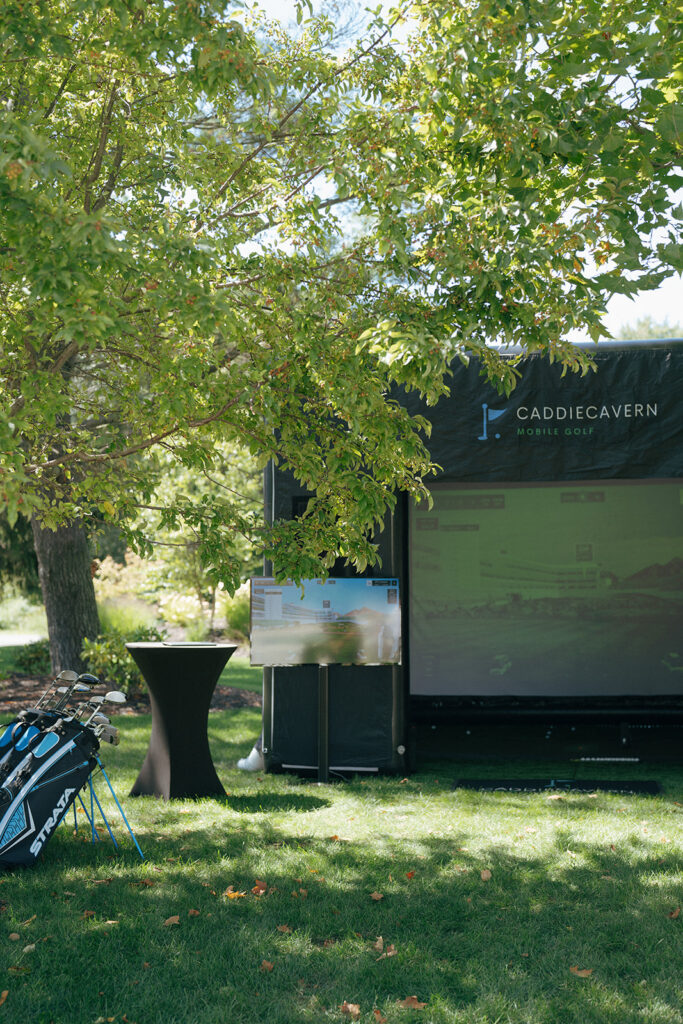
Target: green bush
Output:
{"points": [[197, 630], [125, 616], [19, 612], [108, 659], [34, 659], [237, 612]]}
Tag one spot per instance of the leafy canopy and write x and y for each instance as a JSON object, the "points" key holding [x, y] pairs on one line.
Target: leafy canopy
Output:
{"points": [[179, 270]]}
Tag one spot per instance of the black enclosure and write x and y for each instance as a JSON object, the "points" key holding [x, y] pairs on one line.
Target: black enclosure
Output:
{"points": [[543, 588]]}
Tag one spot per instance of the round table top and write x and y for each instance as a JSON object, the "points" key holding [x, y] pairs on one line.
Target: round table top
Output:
{"points": [[163, 644]]}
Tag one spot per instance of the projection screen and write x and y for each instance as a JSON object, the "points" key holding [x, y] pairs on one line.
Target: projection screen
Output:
{"points": [[548, 589]]}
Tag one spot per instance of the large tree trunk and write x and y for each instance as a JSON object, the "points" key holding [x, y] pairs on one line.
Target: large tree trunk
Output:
{"points": [[64, 568]]}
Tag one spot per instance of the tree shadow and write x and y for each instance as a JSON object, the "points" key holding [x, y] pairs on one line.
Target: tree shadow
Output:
{"points": [[263, 803], [473, 946]]}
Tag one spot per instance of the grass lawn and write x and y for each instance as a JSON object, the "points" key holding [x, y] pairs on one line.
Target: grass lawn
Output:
{"points": [[269, 907], [238, 672]]}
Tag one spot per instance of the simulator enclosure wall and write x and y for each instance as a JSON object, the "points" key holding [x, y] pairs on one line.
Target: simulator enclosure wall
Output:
{"points": [[549, 571]]}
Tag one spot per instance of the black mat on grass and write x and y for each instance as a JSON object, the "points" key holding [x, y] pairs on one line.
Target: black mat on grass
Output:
{"points": [[638, 786]]}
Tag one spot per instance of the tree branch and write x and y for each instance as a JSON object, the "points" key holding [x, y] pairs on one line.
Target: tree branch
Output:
{"points": [[64, 356], [98, 156], [60, 90], [110, 183]]}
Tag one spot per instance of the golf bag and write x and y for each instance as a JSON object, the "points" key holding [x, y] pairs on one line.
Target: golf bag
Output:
{"points": [[42, 785], [47, 755]]}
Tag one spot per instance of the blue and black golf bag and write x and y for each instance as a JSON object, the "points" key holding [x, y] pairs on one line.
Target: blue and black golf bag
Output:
{"points": [[47, 756]]}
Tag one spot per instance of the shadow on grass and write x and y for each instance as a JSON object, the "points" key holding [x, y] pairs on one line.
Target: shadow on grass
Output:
{"points": [[261, 803], [475, 949]]}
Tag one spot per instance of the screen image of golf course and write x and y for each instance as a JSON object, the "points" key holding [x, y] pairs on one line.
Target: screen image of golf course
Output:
{"points": [[325, 622], [567, 589]]}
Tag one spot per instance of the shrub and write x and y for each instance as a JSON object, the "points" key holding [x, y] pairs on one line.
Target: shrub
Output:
{"points": [[121, 616], [115, 579], [198, 630], [34, 659], [19, 612], [108, 659], [236, 611], [180, 609]]}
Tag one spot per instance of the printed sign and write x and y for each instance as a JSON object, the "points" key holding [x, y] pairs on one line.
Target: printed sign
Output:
{"points": [[324, 622]]}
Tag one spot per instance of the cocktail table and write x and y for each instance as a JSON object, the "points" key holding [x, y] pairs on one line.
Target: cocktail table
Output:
{"points": [[181, 678]]}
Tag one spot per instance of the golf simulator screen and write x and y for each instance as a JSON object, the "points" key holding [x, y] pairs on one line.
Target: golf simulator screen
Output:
{"points": [[548, 589], [325, 622]]}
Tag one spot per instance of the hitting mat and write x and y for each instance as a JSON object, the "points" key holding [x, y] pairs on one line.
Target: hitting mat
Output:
{"points": [[635, 786]]}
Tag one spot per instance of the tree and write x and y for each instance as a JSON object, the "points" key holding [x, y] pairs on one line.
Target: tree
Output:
{"points": [[178, 566], [648, 327], [174, 270]]}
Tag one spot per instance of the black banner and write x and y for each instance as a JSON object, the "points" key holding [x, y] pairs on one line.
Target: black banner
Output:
{"points": [[622, 421]]}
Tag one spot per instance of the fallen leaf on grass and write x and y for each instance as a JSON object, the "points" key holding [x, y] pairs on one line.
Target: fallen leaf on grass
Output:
{"points": [[19, 970], [673, 915], [266, 965], [486, 875], [334, 839], [376, 896], [14, 936], [378, 946], [585, 973], [555, 796], [193, 913], [30, 948], [233, 894], [389, 951], [350, 1009], [3, 996], [284, 928], [379, 1018], [259, 888], [29, 920], [412, 1003], [410, 874], [173, 919], [88, 913]]}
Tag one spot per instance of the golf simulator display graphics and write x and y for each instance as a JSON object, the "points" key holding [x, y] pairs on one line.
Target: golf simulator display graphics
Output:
{"points": [[571, 588], [325, 622]]}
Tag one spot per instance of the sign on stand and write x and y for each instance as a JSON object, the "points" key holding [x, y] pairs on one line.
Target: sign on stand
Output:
{"points": [[325, 622]]}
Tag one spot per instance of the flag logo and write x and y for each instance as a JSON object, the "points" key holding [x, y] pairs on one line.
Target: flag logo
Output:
{"points": [[489, 416]]}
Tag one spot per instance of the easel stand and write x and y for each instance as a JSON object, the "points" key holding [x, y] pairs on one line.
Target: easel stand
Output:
{"points": [[323, 724]]}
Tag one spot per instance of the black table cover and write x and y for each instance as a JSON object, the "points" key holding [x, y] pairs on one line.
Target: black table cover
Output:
{"points": [[181, 678]]}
